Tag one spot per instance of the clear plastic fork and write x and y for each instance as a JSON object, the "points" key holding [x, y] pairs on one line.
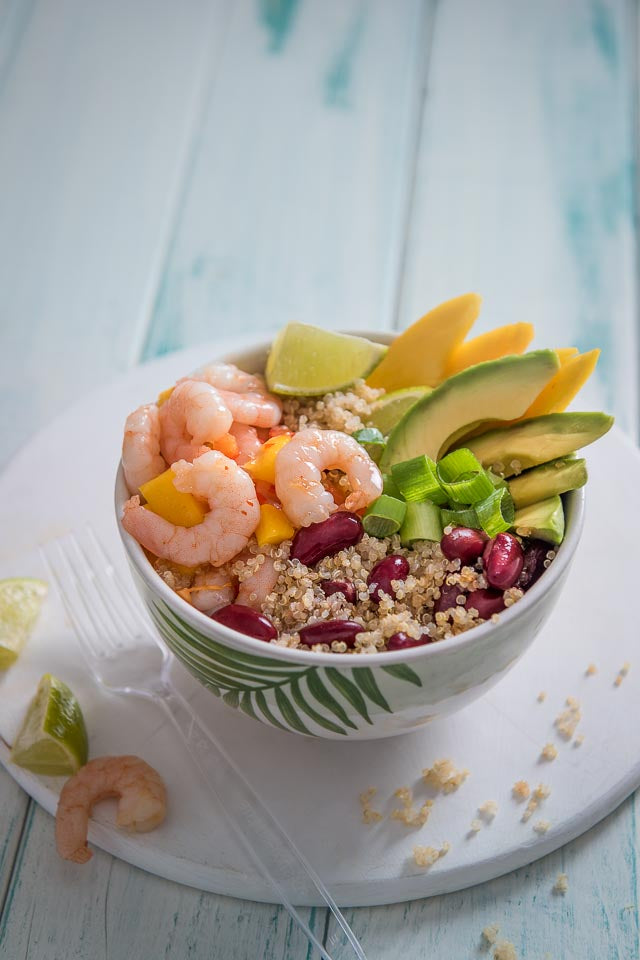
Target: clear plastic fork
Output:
{"points": [[124, 655]]}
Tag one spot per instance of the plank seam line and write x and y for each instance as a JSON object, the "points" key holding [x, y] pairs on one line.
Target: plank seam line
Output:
{"points": [[634, 17], [200, 102], [425, 33], [17, 861]]}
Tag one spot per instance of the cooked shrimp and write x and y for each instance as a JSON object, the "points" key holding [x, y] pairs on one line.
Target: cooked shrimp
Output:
{"points": [[245, 394], [141, 458], [255, 589], [233, 514], [142, 801], [213, 587], [248, 441], [299, 466], [195, 414]]}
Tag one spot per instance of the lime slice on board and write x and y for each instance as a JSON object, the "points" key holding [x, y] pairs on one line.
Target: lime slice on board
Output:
{"points": [[390, 409], [20, 601], [308, 361], [53, 738]]}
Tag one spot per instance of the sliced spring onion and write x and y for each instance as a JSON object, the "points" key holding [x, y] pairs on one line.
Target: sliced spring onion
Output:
{"points": [[496, 480], [384, 516], [422, 522], [496, 512], [463, 477], [461, 518], [390, 487], [417, 480], [372, 440]]}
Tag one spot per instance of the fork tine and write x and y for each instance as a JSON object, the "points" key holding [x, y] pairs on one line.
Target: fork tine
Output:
{"points": [[65, 579], [117, 587], [98, 586], [94, 603]]}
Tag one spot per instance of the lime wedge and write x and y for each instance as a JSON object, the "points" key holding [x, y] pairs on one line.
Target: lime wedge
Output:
{"points": [[390, 409], [53, 738], [309, 361], [20, 602]]}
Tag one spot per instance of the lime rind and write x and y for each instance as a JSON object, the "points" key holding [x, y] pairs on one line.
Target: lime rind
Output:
{"points": [[53, 738], [21, 600], [390, 409], [309, 361]]}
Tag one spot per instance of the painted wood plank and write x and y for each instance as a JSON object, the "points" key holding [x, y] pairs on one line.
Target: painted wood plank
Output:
{"points": [[107, 910], [525, 184], [98, 103], [13, 810], [596, 918], [296, 209]]}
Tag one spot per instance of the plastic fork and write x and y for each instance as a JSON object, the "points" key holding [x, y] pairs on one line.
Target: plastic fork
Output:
{"points": [[124, 655]]}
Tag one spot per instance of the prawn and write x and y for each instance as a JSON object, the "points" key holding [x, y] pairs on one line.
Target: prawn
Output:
{"points": [[213, 588], [248, 441], [254, 590], [299, 466], [195, 414], [142, 801], [141, 457], [245, 394], [233, 514]]}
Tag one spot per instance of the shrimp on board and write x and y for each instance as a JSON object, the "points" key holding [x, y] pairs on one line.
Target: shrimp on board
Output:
{"points": [[299, 467], [141, 793], [245, 394], [195, 414], [141, 457], [233, 514]]}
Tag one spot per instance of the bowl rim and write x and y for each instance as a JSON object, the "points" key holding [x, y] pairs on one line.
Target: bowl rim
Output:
{"points": [[217, 631]]}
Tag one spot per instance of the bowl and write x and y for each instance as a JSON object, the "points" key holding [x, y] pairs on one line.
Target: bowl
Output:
{"points": [[339, 696]]}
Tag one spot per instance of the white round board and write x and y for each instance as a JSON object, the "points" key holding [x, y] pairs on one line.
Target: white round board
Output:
{"points": [[64, 478]]}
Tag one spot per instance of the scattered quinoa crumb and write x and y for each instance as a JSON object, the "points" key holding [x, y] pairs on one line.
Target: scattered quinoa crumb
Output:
{"points": [[540, 793], [568, 719], [579, 740], [622, 672], [549, 752], [541, 826], [444, 776], [591, 670], [542, 696], [562, 884], [505, 950], [407, 813], [488, 810], [490, 933], [369, 815], [427, 856], [476, 826], [521, 790]]}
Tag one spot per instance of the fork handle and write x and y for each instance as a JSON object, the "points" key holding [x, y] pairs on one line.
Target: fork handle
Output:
{"points": [[265, 842]]}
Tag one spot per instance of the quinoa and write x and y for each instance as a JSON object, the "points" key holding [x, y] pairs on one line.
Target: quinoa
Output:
{"points": [[549, 752], [562, 884], [427, 856], [347, 410]]}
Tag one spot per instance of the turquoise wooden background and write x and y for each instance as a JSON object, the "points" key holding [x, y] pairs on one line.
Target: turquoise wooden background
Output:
{"points": [[173, 170]]}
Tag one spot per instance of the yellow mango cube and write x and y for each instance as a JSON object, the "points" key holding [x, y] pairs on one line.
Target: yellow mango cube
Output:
{"points": [[263, 467], [274, 525], [164, 396], [181, 509]]}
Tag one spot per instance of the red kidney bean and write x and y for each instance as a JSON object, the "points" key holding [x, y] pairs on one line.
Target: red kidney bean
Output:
{"points": [[329, 587], [463, 544], [486, 602], [447, 598], [535, 554], [402, 641], [386, 570], [247, 621], [503, 562], [326, 631], [319, 540]]}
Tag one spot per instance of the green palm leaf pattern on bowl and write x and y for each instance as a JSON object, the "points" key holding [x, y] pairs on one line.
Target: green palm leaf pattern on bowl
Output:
{"points": [[292, 698]]}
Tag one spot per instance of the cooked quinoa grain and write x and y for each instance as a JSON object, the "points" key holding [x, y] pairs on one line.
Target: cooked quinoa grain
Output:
{"points": [[427, 856], [347, 410], [521, 790], [444, 776], [549, 752]]}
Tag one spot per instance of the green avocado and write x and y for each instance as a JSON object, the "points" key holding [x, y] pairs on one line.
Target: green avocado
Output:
{"points": [[547, 480], [543, 520], [496, 390], [530, 442]]}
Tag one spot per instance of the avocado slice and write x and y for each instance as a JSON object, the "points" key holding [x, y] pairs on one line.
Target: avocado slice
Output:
{"points": [[543, 520], [530, 442], [547, 480], [495, 390]]}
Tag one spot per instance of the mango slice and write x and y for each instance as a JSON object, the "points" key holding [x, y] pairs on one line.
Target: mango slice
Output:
{"points": [[501, 342], [419, 356], [274, 525], [562, 388], [565, 353], [181, 509], [263, 466]]}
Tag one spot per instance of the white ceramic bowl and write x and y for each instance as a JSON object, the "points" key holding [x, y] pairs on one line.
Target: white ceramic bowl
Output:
{"points": [[342, 696]]}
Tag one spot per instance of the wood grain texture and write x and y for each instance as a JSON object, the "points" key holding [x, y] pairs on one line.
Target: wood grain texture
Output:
{"points": [[13, 810], [525, 186], [296, 205]]}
